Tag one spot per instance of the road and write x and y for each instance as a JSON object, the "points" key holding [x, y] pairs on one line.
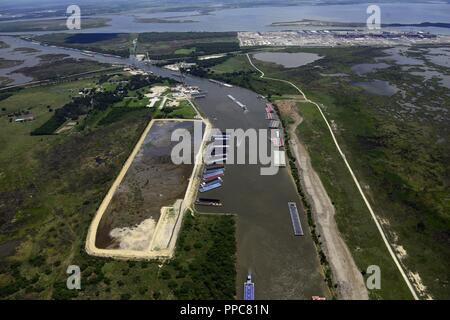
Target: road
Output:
{"points": [[358, 185]]}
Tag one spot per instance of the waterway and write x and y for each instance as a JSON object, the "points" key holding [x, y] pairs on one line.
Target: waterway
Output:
{"points": [[283, 266], [261, 18], [31, 59]]}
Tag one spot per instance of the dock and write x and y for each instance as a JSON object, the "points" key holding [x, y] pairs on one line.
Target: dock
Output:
{"points": [[214, 171], [298, 231]]}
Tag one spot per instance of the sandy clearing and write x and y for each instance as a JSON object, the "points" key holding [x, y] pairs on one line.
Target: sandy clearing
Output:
{"points": [[136, 237], [346, 274]]}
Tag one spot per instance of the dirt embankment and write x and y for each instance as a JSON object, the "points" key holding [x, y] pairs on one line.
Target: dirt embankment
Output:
{"points": [[346, 274]]}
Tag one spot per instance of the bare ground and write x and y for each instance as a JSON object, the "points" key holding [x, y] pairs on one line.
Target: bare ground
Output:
{"points": [[346, 274]]}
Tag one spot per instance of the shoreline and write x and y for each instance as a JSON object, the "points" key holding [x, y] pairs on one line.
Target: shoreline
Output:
{"points": [[346, 274]]}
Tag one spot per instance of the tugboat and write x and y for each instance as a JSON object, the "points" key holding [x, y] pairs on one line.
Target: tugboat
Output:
{"points": [[249, 288]]}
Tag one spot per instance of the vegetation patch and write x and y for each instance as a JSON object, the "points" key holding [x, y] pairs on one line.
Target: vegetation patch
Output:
{"points": [[50, 189]]}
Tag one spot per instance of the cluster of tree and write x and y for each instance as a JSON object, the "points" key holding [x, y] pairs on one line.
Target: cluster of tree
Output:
{"points": [[150, 37], [197, 71], [77, 107], [83, 38], [202, 48], [202, 68], [5, 95], [210, 274], [140, 81], [215, 47], [98, 101]]}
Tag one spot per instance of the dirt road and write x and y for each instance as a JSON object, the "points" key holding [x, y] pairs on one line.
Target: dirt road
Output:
{"points": [[345, 272]]}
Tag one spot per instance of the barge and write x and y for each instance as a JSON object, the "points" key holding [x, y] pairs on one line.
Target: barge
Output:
{"points": [[208, 202]]}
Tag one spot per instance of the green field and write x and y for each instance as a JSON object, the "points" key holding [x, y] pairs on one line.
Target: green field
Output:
{"points": [[50, 189], [183, 111], [236, 70], [185, 51], [232, 64]]}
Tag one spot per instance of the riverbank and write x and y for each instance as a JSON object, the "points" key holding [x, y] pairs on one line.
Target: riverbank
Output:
{"points": [[355, 180], [346, 275]]}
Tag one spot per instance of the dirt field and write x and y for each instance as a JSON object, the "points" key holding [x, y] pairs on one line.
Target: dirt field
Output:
{"points": [[151, 183]]}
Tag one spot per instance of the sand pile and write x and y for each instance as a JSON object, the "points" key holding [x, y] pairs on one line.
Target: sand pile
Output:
{"points": [[135, 238]]}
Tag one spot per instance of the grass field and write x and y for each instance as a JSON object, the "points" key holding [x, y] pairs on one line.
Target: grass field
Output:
{"points": [[233, 64], [185, 51], [17, 154], [353, 220], [183, 111]]}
